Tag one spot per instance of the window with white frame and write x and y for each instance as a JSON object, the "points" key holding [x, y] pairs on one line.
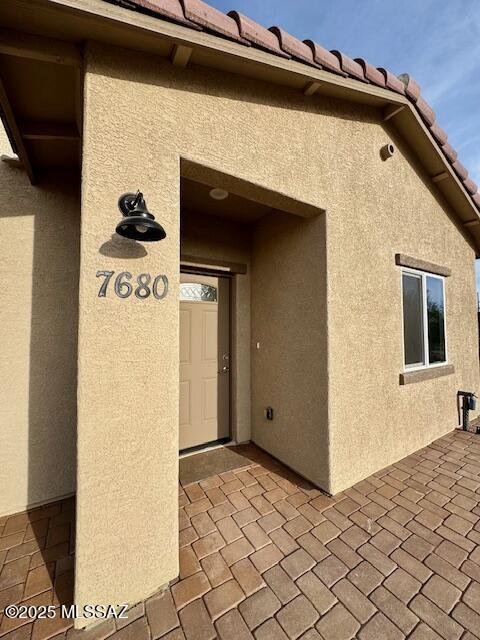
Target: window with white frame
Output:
{"points": [[424, 331]]}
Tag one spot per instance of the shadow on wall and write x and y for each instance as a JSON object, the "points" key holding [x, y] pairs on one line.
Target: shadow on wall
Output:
{"points": [[40, 226], [118, 247], [53, 338]]}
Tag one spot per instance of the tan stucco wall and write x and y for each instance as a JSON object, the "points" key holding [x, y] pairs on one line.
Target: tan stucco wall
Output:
{"points": [[223, 240], [142, 116], [289, 342], [389, 208], [39, 264], [127, 463]]}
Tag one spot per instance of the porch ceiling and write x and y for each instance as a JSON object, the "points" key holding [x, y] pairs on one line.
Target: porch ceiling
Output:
{"points": [[195, 198], [40, 98]]}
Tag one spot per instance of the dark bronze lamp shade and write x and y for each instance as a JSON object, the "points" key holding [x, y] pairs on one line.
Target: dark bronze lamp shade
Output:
{"points": [[138, 223]]}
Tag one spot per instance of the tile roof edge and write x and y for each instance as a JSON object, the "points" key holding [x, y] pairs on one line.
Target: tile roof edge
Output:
{"points": [[169, 10], [280, 43]]}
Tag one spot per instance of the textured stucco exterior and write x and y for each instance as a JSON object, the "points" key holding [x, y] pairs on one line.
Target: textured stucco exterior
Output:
{"points": [[142, 116], [289, 342], [39, 265], [322, 297], [390, 209]]}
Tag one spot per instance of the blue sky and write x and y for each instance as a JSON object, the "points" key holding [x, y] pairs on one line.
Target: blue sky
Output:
{"points": [[437, 42]]}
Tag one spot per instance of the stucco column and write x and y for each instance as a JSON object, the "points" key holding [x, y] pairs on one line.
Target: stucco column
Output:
{"points": [[127, 471]]}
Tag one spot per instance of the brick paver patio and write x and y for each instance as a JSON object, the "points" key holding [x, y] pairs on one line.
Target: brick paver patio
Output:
{"points": [[265, 555]]}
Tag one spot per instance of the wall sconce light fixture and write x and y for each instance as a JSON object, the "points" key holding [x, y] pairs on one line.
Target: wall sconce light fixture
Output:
{"points": [[138, 223]]}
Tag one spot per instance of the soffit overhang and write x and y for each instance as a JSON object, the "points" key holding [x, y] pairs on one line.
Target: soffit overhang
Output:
{"points": [[61, 27]]}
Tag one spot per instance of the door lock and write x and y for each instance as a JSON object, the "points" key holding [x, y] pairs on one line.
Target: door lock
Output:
{"points": [[224, 369]]}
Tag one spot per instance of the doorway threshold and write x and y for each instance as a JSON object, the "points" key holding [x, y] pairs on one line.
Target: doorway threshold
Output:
{"points": [[208, 446]]}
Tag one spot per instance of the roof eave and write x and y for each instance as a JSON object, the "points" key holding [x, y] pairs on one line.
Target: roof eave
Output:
{"points": [[226, 54]]}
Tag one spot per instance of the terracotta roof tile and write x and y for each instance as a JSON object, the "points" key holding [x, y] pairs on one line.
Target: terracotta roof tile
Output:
{"points": [[170, 9], [352, 68], [412, 88], [460, 170], [371, 73], [197, 14], [470, 186], [324, 58], [391, 81], [426, 111], [211, 19], [256, 34], [294, 47], [450, 152], [438, 133]]}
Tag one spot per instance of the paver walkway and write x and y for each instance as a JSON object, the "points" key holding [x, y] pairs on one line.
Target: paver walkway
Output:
{"points": [[264, 555]]}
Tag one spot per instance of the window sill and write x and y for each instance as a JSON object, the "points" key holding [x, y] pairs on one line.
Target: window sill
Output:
{"points": [[409, 377]]}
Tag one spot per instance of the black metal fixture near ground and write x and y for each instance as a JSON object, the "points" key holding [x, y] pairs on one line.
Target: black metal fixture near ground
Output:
{"points": [[138, 222], [469, 403]]}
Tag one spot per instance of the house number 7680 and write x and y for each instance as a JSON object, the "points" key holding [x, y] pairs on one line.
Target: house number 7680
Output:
{"points": [[123, 288]]}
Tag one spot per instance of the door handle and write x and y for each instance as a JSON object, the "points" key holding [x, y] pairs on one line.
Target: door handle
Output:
{"points": [[224, 369]]}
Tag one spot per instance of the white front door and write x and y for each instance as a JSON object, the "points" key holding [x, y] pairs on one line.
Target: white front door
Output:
{"points": [[204, 359]]}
